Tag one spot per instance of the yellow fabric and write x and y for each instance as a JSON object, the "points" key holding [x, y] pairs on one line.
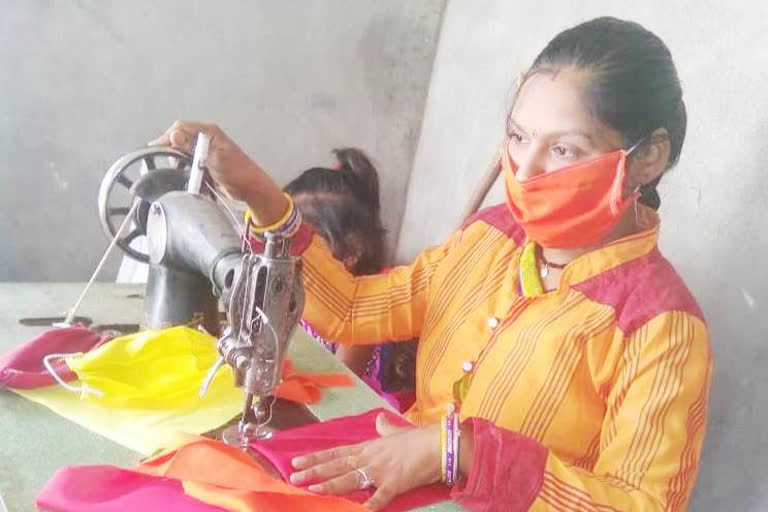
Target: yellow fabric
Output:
{"points": [[623, 414], [151, 369], [530, 279], [150, 382], [141, 430]]}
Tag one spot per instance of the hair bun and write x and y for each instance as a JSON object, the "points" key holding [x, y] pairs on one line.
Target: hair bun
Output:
{"points": [[360, 174]]}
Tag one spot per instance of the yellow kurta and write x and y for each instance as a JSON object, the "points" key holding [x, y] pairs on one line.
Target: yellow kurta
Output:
{"points": [[610, 372]]}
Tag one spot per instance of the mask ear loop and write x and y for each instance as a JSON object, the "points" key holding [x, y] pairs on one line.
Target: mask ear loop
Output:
{"points": [[77, 389], [618, 187]]}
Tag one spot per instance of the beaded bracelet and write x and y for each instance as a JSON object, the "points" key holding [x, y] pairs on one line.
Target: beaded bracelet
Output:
{"points": [[450, 452], [287, 226], [449, 438], [443, 449], [280, 222]]}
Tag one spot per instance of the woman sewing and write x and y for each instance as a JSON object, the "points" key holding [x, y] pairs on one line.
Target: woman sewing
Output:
{"points": [[562, 364]]}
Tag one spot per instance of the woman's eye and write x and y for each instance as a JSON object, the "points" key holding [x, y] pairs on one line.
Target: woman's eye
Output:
{"points": [[563, 151], [515, 138]]}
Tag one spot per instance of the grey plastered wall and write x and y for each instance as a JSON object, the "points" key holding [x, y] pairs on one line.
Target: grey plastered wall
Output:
{"points": [[84, 82], [714, 229]]}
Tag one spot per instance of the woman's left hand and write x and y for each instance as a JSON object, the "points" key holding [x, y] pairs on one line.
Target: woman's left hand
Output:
{"points": [[402, 459]]}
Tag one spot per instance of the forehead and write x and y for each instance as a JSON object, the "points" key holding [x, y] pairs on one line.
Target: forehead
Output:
{"points": [[554, 103]]}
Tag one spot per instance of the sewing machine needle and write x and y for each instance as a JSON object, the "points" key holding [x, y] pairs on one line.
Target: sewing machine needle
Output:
{"points": [[248, 408]]}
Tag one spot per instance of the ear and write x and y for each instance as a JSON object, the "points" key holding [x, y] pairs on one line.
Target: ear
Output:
{"points": [[350, 261], [354, 251], [648, 161]]}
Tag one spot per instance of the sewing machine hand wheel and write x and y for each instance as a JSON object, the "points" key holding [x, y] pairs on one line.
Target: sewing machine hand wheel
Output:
{"points": [[118, 190]]}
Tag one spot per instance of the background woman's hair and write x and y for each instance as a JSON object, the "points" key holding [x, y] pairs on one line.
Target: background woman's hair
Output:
{"points": [[633, 84], [355, 175], [343, 206]]}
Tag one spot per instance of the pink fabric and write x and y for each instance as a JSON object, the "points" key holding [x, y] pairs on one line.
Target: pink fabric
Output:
{"points": [[375, 385], [507, 470], [641, 289], [287, 444], [111, 489], [22, 367], [500, 218]]}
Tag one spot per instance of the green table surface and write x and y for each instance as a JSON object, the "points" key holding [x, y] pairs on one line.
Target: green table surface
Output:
{"points": [[35, 442]]}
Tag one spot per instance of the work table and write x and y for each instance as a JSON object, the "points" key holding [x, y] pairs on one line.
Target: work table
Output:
{"points": [[35, 442]]}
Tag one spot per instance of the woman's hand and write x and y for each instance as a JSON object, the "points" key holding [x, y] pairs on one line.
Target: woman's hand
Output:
{"points": [[239, 176], [402, 459]]}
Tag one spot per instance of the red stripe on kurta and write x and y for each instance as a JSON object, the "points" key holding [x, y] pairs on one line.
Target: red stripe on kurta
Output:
{"points": [[499, 217], [640, 290]]}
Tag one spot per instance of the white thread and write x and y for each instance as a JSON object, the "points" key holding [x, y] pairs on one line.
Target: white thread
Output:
{"points": [[71, 316], [226, 207], [266, 321], [77, 389]]}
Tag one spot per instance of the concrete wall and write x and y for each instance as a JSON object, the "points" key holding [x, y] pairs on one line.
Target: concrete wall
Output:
{"points": [[84, 82], [714, 225]]}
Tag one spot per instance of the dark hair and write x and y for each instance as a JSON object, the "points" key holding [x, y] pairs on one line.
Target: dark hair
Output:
{"points": [[355, 175], [342, 205], [633, 82]]}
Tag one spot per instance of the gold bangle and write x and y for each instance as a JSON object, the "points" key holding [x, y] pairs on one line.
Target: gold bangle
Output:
{"points": [[276, 225]]}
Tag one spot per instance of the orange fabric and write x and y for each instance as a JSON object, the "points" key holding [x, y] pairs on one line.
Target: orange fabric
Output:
{"points": [[616, 388], [576, 206], [304, 388], [222, 475]]}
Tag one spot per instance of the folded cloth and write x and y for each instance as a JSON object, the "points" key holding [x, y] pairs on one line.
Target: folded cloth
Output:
{"points": [[148, 381], [138, 370], [22, 367], [112, 489], [238, 482], [304, 388], [215, 476], [284, 445]]}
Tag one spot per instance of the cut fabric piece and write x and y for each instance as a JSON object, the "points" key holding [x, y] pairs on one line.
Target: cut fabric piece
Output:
{"points": [[287, 444], [158, 369], [112, 489], [305, 388], [150, 382], [141, 430], [239, 483], [22, 367], [147, 370]]}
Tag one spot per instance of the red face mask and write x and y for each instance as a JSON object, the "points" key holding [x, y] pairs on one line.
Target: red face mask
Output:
{"points": [[576, 206]]}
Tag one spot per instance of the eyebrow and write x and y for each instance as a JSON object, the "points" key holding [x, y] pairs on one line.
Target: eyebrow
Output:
{"points": [[586, 135]]}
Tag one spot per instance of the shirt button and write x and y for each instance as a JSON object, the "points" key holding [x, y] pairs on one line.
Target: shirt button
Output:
{"points": [[467, 366], [493, 322]]}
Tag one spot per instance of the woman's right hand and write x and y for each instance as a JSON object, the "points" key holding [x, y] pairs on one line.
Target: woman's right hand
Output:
{"points": [[239, 176]]}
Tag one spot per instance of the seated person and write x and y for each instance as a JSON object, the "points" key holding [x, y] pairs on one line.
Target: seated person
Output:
{"points": [[562, 364], [342, 205]]}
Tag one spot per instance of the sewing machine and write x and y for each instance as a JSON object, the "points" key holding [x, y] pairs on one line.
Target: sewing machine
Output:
{"points": [[196, 256], [45, 441]]}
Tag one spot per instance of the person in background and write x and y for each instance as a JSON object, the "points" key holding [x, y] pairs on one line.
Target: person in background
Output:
{"points": [[341, 203]]}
